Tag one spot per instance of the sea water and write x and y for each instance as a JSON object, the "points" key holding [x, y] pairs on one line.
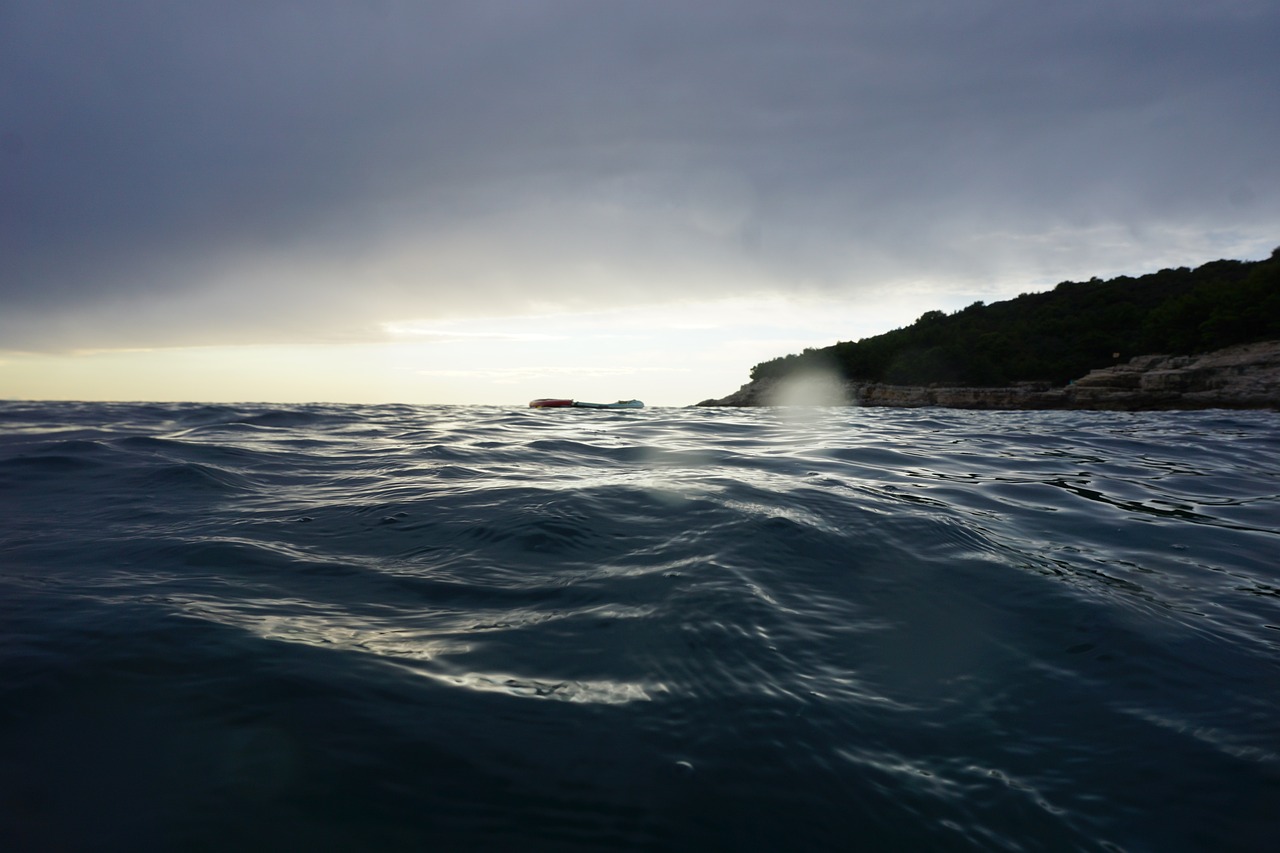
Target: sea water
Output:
{"points": [[349, 628]]}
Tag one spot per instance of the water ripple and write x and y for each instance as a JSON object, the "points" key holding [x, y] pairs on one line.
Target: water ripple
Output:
{"points": [[395, 627]]}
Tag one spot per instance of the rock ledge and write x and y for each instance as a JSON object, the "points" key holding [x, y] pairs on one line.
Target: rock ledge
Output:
{"points": [[1239, 377]]}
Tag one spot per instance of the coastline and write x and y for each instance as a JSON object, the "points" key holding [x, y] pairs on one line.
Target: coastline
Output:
{"points": [[1246, 376]]}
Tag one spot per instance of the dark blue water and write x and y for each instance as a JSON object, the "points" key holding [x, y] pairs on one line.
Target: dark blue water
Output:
{"points": [[438, 628]]}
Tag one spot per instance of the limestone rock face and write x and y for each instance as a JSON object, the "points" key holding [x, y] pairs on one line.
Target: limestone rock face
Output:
{"points": [[1240, 377]]}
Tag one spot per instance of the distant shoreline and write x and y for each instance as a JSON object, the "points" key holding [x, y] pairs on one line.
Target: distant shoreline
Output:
{"points": [[1246, 376]]}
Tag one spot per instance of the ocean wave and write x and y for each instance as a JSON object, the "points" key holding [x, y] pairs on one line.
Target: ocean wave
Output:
{"points": [[399, 626]]}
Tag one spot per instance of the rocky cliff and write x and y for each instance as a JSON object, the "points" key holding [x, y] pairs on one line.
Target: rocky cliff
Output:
{"points": [[1240, 377]]}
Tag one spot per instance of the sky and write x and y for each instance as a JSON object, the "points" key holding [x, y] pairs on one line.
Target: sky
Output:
{"points": [[494, 200]]}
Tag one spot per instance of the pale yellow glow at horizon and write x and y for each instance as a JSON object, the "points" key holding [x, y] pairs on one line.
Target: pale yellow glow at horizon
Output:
{"points": [[673, 355]]}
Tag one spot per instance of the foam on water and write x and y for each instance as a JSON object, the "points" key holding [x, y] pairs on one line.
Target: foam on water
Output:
{"points": [[397, 627]]}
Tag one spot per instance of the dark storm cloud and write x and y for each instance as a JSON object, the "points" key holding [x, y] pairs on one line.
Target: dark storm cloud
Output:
{"points": [[214, 172]]}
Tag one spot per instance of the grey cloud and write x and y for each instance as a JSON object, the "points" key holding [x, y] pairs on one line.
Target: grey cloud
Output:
{"points": [[151, 151]]}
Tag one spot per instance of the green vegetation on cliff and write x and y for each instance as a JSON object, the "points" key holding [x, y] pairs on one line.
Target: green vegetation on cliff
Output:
{"points": [[1062, 334]]}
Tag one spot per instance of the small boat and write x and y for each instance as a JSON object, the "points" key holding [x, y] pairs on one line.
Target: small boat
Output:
{"points": [[556, 403]]}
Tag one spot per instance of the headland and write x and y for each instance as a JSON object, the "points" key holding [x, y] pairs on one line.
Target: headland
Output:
{"points": [[1175, 339], [1239, 377]]}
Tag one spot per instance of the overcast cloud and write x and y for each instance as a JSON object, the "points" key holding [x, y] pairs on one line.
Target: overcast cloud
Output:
{"points": [[228, 173]]}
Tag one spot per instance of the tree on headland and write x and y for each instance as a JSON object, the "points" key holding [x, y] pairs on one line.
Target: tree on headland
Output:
{"points": [[1059, 335]]}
